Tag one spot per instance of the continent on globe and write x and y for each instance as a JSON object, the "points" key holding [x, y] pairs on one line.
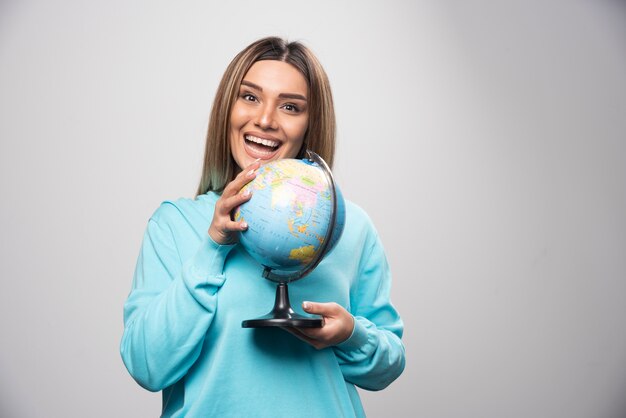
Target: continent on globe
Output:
{"points": [[303, 254], [289, 214]]}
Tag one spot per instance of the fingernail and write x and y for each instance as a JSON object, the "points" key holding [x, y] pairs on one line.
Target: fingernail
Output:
{"points": [[244, 225], [246, 193], [306, 305], [250, 173]]}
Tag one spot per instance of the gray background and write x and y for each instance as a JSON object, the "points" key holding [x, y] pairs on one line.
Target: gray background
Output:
{"points": [[485, 139]]}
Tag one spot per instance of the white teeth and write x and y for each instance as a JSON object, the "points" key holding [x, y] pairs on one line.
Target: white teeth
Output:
{"points": [[267, 142]]}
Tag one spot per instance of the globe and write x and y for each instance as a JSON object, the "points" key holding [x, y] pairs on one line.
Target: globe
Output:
{"points": [[291, 214], [295, 217]]}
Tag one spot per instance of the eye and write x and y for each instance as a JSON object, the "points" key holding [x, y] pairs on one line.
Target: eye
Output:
{"points": [[290, 107], [249, 97]]}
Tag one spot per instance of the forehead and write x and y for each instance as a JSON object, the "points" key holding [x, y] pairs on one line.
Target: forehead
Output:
{"points": [[277, 77]]}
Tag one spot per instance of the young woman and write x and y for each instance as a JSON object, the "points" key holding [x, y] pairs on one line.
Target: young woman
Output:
{"points": [[194, 285]]}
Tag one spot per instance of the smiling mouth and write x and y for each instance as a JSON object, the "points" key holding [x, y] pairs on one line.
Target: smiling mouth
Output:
{"points": [[261, 146]]}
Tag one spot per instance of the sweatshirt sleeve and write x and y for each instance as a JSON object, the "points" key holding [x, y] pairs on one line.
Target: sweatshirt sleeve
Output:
{"points": [[373, 356], [170, 307]]}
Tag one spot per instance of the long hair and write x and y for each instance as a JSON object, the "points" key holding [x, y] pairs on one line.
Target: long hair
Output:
{"points": [[219, 166]]}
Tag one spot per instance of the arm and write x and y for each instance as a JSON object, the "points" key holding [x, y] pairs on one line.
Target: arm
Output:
{"points": [[173, 301], [170, 307], [366, 340], [373, 356]]}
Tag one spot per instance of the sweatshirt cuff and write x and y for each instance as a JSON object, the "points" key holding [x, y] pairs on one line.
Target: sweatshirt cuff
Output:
{"points": [[206, 267], [357, 340]]}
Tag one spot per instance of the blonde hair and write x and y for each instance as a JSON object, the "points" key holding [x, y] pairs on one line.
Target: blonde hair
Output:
{"points": [[219, 166]]}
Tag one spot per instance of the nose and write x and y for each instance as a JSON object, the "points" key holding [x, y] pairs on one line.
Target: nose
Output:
{"points": [[266, 118]]}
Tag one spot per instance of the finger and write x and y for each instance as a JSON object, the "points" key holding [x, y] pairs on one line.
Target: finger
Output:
{"points": [[310, 335], [238, 182], [324, 309], [232, 226], [224, 232], [296, 332], [300, 334], [228, 204], [243, 178], [254, 165], [317, 335]]}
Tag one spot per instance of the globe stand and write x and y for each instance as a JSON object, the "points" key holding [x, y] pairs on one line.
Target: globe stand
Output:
{"points": [[282, 315]]}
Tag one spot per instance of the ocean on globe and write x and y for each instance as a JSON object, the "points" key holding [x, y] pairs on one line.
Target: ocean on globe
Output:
{"points": [[289, 214]]}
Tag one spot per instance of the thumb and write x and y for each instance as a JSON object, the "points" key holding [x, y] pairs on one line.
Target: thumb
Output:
{"points": [[317, 308]]}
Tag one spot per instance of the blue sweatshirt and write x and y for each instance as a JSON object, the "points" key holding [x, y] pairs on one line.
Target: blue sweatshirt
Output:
{"points": [[183, 334]]}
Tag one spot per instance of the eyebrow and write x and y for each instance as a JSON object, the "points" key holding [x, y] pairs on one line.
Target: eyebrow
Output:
{"points": [[294, 96]]}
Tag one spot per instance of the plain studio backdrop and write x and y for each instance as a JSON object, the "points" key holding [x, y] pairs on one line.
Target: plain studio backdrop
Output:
{"points": [[485, 139]]}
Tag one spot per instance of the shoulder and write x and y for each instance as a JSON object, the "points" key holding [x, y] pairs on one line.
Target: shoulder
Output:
{"points": [[185, 210], [359, 226], [356, 213]]}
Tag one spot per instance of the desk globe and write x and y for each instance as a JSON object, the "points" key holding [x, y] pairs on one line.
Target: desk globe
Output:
{"points": [[295, 217]]}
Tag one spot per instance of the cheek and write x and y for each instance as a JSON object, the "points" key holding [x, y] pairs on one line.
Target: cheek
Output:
{"points": [[235, 118], [239, 115], [298, 130]]}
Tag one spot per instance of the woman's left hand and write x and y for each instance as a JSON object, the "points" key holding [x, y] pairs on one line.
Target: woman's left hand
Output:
{"points": [[338, 325]]}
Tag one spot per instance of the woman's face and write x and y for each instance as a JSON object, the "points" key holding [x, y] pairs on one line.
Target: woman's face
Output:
{"points": [[270, 116]]}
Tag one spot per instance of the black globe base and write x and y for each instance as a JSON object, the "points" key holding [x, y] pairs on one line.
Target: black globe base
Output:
{"points": [[270, 320], [282, 315]]}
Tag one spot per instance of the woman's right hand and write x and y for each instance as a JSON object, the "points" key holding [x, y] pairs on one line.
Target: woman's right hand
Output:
{"points": [[223, 230]]}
